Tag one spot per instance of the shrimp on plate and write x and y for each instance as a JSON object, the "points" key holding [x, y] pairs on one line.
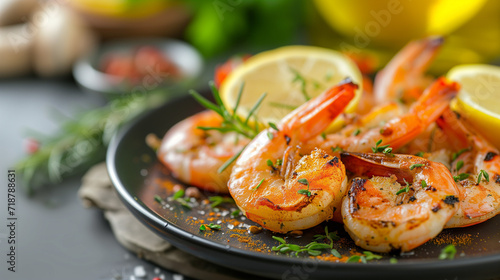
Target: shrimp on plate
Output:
{"points": [[278, 187], [403, 77], [396, 132], [195, 155], [477, 169], [407, 202]]}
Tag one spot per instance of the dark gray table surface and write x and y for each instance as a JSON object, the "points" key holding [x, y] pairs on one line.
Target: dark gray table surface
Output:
{"points": [[56, 237]]}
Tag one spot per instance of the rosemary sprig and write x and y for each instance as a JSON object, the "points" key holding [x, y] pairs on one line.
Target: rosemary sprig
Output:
{"points": [[81, 142]]}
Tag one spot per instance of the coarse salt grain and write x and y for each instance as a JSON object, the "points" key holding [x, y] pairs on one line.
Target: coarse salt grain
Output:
{"points": [[139, 271]]}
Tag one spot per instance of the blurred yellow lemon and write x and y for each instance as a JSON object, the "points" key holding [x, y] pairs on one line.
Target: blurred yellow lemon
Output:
{"points": [[289, 75], [393, 23], [479, 98]]}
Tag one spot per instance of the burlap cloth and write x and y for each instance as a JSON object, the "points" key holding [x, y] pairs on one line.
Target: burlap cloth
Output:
{"points": [[97, 191]]}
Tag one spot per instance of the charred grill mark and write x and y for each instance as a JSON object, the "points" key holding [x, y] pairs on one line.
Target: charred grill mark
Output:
{"points": [[457, 114], [412, 198], [436, 208], [333, 161], [451, 200], [489, 156], [297, 207], [287, 139], [358, 184], [325, 156], [497, 178]]}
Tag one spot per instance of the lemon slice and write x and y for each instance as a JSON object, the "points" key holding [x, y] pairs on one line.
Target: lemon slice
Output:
{"points": [[479, 98], [289, 75]]}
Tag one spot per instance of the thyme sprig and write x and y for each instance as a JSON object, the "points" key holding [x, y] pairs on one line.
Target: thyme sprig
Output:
{"points": [[231, 121], [313, 248], [81, 142]]}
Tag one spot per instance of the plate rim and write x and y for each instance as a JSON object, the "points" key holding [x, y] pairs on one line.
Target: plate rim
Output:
{"points": [[145, 214]]}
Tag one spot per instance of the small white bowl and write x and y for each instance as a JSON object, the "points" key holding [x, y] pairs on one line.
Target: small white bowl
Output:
{"points": [[88, 74]]}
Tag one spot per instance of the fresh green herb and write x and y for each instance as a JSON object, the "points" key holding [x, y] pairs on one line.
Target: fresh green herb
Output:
{"points": [[424, 184], [269, 163], [183, 202], [460, 177], [158, 199], [336, 253], [213, 226], [273, 126], [371, 256], [420, 154], [388, 152], [448, 252], [281, 105], [484, 174], [230, 161], [331, 236], [454, 156], [299, 78], [279, 162], [236, 212], [203, 228], [356, 132], [178, 194], [413, 166], [353, 259], [304, 181], [380, 149], [393, 260], [260, 183], [323, 136], [314, 248], [218, 200], [336, 149], [270, 135], [460, 164], [404, 190]]}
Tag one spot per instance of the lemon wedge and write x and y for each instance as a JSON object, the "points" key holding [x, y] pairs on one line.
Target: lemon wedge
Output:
{"points": [[479, 98], [290, 76]]}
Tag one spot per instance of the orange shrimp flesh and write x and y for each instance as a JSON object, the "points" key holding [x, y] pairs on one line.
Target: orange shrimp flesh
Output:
{"points": [[195, 155], [479, 199], [392, 208], [278, 187]]}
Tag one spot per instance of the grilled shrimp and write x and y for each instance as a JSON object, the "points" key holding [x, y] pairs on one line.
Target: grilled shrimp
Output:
{"points": [[407, 202], [279, 187], [479, 197], [397, 131], [403, 77], [195, 155]]}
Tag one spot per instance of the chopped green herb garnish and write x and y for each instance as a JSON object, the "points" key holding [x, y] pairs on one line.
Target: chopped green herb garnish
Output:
{"points": [[448, 252], [371, 256], [236, 212], [323, 135], [269, 163], [420, 154], [270, 135], [273, 126], [260, 183], [404, 190], [413, 166], [424, 184], [279, 162], [393, 260], [353, 259], [460, 164], [356, 132], [183, 202], [460, 177], [454, 156], [218, 200], [336, 253], [178, 194], [336, 149], [380, 149], [299, 78], [203, 228], [304, 181], [314, 248], [484, 174], [158, 199], [213, 226]]}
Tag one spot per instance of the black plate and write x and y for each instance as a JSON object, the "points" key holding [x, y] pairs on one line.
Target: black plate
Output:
{"points": [[138, 176]]}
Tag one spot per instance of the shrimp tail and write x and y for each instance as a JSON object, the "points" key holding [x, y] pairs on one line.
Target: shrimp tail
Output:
{"points": [[435, 99], [380, 165], [411, 62], [314, 116]]}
